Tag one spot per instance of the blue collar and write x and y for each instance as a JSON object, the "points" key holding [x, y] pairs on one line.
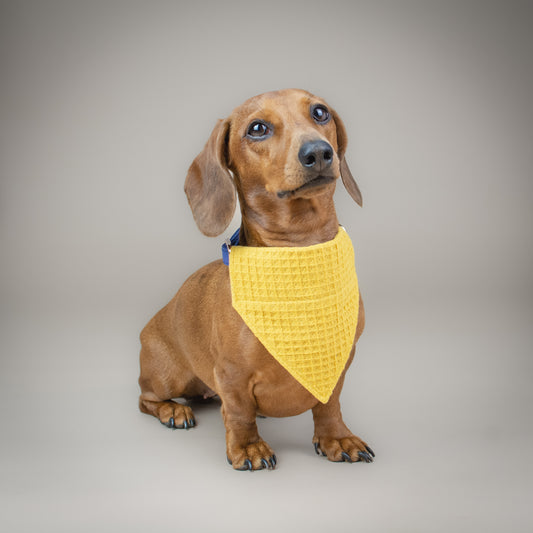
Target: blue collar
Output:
{"points": [[226, 247]]}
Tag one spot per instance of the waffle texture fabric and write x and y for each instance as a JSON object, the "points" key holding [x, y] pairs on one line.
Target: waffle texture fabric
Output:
{"points": [[302, 303]]}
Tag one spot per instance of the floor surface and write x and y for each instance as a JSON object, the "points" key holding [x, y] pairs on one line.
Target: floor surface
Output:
{"points": [[443, 397]]}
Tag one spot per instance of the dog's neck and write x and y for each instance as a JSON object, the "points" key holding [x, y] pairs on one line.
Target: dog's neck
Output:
{"points": [[291, 222]]}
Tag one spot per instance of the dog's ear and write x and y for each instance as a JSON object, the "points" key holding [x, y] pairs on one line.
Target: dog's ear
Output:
{"points": [[346, 175], [209, 184]]}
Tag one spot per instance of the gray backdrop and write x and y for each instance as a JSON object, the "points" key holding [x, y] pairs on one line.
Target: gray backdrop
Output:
{"points": [[104, 104]]}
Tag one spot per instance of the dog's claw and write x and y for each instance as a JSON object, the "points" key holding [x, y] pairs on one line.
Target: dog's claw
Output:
{"points": [[246, 466], [319, 450], [369, 450], [187, 424], [254, 456], [346, 457], [365, 457]]}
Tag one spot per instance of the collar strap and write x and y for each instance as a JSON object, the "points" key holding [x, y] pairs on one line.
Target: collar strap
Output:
{"points": [[234, 241], [226, 247]]}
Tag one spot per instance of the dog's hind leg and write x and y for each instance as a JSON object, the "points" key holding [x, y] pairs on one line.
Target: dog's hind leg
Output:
{"points": [[166, 375]]}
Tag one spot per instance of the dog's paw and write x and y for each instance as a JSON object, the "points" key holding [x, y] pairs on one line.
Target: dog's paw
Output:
{"points": [[256, 456], [349, 449], [176, 416]]}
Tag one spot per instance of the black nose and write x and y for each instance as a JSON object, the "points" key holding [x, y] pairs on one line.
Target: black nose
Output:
{"points": [[317, 155]]}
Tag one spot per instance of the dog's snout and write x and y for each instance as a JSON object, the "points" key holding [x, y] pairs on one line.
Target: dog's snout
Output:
{"points": [[317, 155]]}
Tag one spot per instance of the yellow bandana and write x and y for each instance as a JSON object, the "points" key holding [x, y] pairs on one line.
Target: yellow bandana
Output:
{"points": [[302, 303]]}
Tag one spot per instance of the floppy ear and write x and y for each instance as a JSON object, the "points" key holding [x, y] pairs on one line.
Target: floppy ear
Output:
{"points": [[209, 185], [346, 175]]}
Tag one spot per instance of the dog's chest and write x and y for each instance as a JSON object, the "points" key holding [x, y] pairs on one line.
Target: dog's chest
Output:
{"points": [[302, 305]]}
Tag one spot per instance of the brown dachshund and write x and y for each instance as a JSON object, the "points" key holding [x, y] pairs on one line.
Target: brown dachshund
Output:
{"points": [[281, 154]]}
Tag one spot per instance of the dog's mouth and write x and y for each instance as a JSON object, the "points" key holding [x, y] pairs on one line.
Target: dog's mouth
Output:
{"points": [[311, 184]]}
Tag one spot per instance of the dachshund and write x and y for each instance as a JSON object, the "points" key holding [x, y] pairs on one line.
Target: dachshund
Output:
{"points": [[280, 153]]}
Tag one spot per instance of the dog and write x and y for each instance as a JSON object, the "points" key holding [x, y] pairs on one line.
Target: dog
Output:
{"points": [[281, 154]]}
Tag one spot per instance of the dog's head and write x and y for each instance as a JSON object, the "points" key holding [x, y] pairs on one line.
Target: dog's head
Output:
{"points": [[276, 147]]}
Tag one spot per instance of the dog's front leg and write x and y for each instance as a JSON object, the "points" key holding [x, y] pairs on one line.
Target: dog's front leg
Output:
{"points": [[332, 438], [245, 449]]}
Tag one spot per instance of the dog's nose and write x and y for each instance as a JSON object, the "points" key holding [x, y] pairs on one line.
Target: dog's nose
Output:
{"points": [[317, 155]]}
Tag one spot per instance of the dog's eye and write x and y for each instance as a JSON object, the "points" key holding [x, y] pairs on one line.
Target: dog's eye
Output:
{"points": [[320, 113], [258, 130]]}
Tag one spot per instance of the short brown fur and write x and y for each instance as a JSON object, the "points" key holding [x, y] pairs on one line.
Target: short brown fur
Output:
{"points": [[198, 345]]}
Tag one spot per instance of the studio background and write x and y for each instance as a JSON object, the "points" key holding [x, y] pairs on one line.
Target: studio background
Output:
{"points": [[104, 105]]}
